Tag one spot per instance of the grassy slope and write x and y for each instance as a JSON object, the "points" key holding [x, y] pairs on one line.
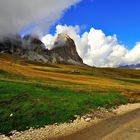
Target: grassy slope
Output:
{"points": [[42, 94]]}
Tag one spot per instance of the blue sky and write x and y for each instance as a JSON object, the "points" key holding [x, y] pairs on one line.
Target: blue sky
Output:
{"points": [[120, 17]]}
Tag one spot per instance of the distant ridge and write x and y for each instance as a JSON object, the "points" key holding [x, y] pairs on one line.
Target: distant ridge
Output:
{"points": [[137, 66]]}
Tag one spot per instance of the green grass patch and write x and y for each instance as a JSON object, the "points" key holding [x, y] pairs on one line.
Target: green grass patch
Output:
{"points": [[4, 73], [32, 105], [13, 76], [133, 81]]}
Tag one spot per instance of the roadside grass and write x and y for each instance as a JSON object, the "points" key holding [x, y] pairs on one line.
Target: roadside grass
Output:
{"points": [[34, 105]]}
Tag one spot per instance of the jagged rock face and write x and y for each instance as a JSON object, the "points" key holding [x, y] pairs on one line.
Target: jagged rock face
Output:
{"points": [[65, 51], [31, 48]]}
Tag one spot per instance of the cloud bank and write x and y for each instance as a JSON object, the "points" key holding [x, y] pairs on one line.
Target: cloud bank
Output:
{"points": [[36, 15], [97, 49]]}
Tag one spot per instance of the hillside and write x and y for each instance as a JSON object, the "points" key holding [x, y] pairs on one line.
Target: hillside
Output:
{"points": [[95, 79], [36, 94]]}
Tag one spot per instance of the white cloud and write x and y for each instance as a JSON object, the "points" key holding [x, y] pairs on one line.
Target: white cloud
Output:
{"points": [[97, 49], [18, 14], [133, 56]]}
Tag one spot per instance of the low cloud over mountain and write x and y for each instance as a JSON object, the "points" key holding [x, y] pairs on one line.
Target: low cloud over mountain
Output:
{"points": [[32, 49]]}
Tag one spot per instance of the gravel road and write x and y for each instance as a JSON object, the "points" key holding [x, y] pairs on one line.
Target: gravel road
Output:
{"points": [[124, 127]]}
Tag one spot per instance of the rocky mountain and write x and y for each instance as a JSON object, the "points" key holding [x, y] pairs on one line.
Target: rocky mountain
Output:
{"points": [[31, 48], [65, 51]]}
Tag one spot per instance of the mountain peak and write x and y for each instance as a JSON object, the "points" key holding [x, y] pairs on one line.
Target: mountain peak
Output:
{"points": [[64, 36], [65, 50], [62, 40]]}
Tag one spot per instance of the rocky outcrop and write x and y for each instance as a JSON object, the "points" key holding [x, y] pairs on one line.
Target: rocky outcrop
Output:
{"points": [[65, 51], [31, 48]]}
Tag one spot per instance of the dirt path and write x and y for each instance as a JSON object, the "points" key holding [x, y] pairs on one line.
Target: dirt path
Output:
{"points": [[124, 127]]}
